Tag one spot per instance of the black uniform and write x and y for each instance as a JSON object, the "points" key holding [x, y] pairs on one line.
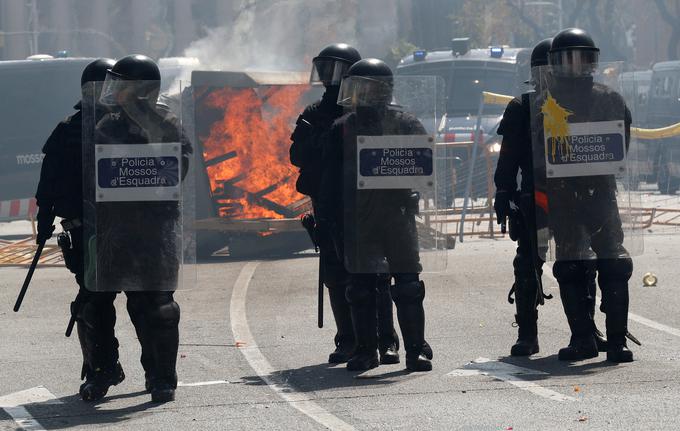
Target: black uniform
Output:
{"points": [[311, 134], [375, 231], [154, 314], [585, 220], [516, 157]]}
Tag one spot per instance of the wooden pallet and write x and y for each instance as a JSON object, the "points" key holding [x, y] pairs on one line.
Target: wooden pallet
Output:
{"points": [[21, 252]]}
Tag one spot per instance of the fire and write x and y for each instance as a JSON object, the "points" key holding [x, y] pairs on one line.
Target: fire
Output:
{"points": [[255, 179]]}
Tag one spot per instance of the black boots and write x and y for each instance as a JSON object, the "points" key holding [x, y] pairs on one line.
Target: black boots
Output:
{"points": [[155, 316], [163, 391], [526, 291], [388, 347], [613, 279], [619, 353], [388, 340], [579, 348], [527, 340], [344, 338], [578, 307], [362, 299], [98, 382], [409, 300]]}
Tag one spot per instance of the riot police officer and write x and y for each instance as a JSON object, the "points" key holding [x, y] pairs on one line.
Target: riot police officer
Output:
{"points": [[60, 193], [515, 156], [582, 211], [126, 112], [311, 131], [388, 234]]}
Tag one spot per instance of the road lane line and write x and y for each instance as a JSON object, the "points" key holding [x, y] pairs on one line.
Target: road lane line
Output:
{"points": [[260, 364], [14, 404], [634, 317], [209, 383], [510, 374]]}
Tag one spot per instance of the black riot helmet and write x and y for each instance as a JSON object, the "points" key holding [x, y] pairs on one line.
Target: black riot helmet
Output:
{"points": [[573, 53], [369, 83], [135, 77], [539, 55], [96, 71], [332, 64]]}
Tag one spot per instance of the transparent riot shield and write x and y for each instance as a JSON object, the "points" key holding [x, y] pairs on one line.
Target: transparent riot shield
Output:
{"points": [[391, 219], [654, 158], [137, 190], [585, 208]]}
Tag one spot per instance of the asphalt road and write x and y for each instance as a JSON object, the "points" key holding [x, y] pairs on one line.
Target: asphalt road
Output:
{"points": [[251, 356]]}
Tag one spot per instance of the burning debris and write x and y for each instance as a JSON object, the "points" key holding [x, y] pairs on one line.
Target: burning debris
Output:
{"points": [[246, 151]]}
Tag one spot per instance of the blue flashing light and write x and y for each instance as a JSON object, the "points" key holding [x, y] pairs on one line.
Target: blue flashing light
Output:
{"points": [[419, 55], [496, 51]]}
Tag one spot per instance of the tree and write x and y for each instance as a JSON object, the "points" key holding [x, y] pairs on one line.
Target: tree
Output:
{"points": [[670, 13]]}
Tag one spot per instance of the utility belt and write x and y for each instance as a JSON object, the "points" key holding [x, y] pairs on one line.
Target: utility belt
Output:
{"points": [[69, 225], [73, 258]]}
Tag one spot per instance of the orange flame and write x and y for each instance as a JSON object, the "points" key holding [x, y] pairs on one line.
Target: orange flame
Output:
{"points": [[258, 182]]}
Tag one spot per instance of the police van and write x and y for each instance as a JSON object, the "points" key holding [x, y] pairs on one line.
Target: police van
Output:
{"points": [[465, 74], [663, 109], [634, 88], [37, 94]]}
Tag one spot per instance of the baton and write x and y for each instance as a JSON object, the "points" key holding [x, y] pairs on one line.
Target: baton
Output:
{"points": [[632, 338], [24, 288], [71, 323], [308, 222], [319, 316]]}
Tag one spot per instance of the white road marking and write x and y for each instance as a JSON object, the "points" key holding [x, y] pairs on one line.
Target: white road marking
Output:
{"points": [[14, 404], [632, 316], [510, 374], [209, 383], [248, 347]]}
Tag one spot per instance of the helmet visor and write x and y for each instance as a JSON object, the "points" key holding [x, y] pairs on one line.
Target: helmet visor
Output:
{"points": [[112, 88], [364, 91], [574, 62], [117, 91], [328, 71]]}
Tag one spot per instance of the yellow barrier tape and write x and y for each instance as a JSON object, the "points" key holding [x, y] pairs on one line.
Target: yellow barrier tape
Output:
{"points": [[660, 133], [637, 132], [496, 99]]}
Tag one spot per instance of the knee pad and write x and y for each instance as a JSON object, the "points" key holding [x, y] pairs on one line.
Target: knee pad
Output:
{"points": [[96, 308], [408, 292], [163, 315], [161, 309], [615, 270], [361, 292], [407, 277]]}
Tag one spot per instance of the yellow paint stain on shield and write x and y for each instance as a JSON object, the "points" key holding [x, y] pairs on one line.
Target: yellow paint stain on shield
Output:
{"points": [[555, 125]]}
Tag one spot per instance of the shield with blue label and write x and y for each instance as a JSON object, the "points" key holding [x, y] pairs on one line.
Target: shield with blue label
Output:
{"points": [[392, 220], [137, 191], [585, 205]]}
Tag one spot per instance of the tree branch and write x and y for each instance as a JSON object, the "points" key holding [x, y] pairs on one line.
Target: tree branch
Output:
{"points": [[666, 14], [538, 31], [578, 9]]}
